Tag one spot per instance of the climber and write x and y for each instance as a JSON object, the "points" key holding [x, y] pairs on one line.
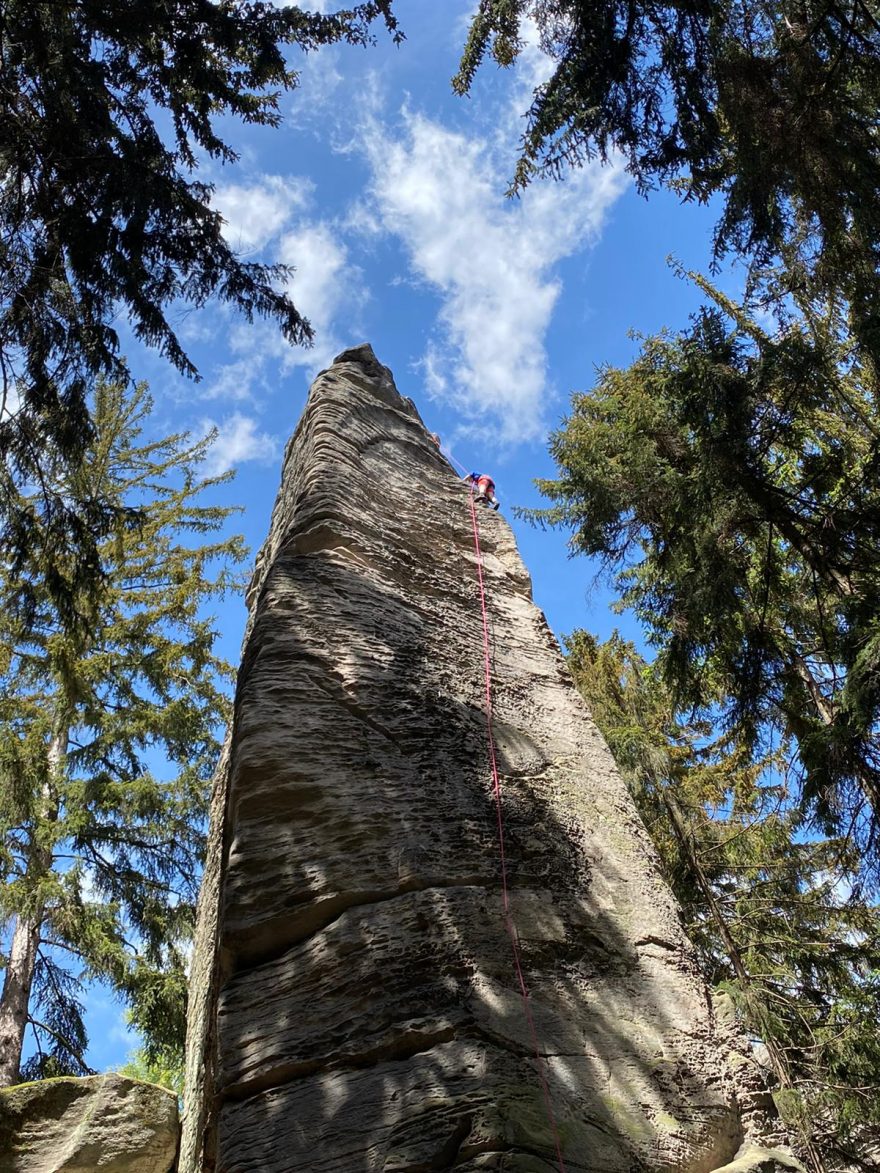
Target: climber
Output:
{"points": [[434, 438], [484, 488]]}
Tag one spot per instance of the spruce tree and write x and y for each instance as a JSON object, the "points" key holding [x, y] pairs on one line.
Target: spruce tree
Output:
{"points": [[108, 737], [729, 479], [106, 109], [781, 918], [770, 109]]}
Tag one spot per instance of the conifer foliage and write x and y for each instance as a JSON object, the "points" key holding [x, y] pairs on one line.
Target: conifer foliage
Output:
{"points": [[779, 915], [106, 109], [771, 107], [729, 477], [108, 737]]}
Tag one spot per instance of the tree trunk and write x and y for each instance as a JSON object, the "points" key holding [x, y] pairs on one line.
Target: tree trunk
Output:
{"points": [[16, 995]]}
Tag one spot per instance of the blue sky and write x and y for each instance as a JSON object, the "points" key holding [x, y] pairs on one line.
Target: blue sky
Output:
{"points": [[387, 193]]}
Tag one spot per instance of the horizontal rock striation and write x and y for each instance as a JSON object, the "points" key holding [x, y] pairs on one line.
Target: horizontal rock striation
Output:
{"points": [[355, 1000]]}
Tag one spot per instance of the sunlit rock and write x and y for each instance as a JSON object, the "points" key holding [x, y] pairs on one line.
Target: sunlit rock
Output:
{"points": [[355, 1003], [97, 1124]]}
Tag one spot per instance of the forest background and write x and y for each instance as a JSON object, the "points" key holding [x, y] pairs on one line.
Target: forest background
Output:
{"points": [[386, 191]]}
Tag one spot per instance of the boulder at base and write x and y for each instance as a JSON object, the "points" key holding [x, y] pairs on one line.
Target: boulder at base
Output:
{"points": [[754, 1159], [99, 1124]]}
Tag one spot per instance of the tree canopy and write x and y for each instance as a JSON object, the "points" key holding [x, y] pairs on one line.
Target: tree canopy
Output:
{"points": [[729, 478], [107, 108], [108, 738], [779, 915], [770, 105]]}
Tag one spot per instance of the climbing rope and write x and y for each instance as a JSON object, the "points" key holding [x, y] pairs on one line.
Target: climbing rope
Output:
{"points": [[499, 814]]}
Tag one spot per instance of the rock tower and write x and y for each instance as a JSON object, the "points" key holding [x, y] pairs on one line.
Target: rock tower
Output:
{"points": [[355, 1003]]}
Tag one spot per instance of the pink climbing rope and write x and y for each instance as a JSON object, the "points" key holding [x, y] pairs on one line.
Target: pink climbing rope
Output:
{"points": [[496, 790]]}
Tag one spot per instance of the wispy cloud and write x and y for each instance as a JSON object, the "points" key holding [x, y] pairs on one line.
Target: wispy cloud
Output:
{"points": [[239, 439], [257, 213], [327, 287], [234, 380], [490, 261], [272, 216], [320, 82]]}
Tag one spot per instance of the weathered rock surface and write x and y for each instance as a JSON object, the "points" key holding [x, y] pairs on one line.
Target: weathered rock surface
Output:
{"points": [[754, 1159], [355, 1004], [99, 1124]]}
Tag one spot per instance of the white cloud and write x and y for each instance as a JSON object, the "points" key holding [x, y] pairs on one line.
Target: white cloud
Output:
{"points": [[319, 83], [238, 440], [490, 260], [325, 287], [234, 380], [363, 221], [259, 212]]}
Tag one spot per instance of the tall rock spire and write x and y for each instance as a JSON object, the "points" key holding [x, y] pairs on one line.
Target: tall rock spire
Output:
{"points": [[355, 1002]]}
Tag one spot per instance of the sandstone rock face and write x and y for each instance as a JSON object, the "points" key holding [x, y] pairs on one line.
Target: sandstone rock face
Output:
{"points": [[754, 1159], [100, 1124], [355, 1003]]}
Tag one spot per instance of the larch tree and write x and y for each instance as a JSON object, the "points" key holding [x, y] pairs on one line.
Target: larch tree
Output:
{"points": [[108, 737], [161, 1065], [106, 109]]}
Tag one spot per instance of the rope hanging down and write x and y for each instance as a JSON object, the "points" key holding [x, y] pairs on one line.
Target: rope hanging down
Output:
{"points": [[505, 893]]}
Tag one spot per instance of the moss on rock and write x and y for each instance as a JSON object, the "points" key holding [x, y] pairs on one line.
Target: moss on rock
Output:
{"points": [[98, 1124]]}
